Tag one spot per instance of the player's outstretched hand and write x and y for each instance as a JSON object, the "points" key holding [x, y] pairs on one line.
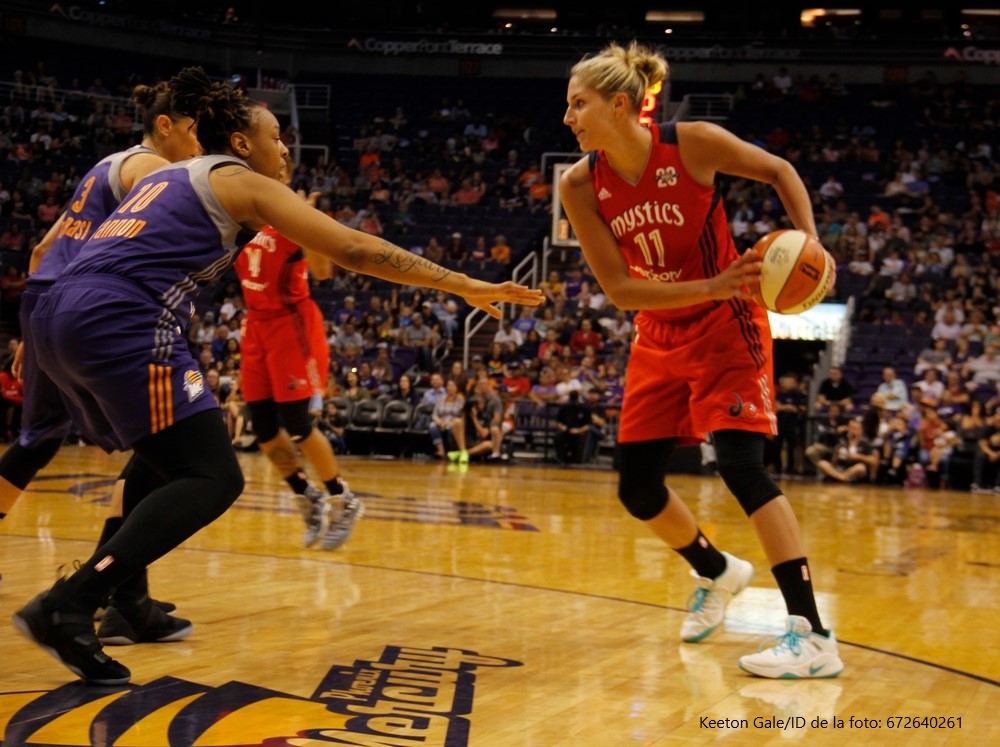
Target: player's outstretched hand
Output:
{"points": [[733, 281], [484, 295]]}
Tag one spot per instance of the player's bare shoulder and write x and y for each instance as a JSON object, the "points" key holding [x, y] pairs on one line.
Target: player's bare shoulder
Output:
{"points": [[139, 165], [699, 133], [577, 174]]}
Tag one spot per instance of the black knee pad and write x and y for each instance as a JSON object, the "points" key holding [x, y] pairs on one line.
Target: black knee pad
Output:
{"points": [[19, 465], [295, 418], [264, 417], [642, 468], [740, 456]]}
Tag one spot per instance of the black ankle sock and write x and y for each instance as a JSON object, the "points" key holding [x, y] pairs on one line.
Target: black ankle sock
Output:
{"points": [[795, 582], [297, 482], [333, 487], [111, 525], [703, 556]]}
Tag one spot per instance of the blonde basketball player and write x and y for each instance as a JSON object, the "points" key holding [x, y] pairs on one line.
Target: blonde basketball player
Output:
{"points": [[651, 226]]}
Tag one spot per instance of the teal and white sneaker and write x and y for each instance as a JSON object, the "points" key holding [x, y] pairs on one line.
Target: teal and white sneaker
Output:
{"points": [[342, 522], [797, 654], [707, 604]]}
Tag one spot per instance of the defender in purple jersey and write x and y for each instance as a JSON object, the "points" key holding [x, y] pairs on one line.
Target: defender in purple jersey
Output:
{"points": [[110, 333], [169, 134]]}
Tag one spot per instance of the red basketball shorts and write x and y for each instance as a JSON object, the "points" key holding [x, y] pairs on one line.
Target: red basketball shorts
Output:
{"points": [[285, 358], [710, 372]]}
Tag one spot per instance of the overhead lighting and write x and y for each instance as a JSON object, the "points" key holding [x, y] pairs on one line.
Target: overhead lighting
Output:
{"points": [[985, 12], [810, 16], [524, 14], [675, 16]]}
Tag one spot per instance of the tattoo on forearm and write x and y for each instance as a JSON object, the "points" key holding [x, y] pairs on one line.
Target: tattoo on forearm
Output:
{"points": [[402, 261]]}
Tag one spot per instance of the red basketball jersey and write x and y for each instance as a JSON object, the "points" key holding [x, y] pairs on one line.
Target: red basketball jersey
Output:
{"points": [[669, 227], [273, 273]]}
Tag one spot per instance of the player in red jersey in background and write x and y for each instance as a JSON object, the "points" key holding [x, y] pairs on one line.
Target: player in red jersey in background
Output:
{"points": [[283, 372], [644, 206]]}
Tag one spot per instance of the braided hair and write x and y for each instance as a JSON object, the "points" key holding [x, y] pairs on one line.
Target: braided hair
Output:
{"points": [[223, 110], [181, 96]]}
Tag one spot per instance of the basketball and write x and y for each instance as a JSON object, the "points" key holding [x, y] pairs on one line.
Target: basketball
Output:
{"points": [[797, 272]]}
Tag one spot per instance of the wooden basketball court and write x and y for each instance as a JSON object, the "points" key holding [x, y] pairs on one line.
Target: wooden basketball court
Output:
{"points": [[512, 605]]}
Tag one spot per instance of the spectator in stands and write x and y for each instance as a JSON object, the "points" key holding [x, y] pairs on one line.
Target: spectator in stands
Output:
{"points": [[554, 290], [930, 387], [368, 380], [525, 322], [790, 408], [955, 397], [435, 391], [347, 337], [480, 252], [382, 371], [982, 372], [972, 426], [529, 349], [515, 383], [11, 399], [508, 333], [936, 443], [448, 414], [975, 328], [482, 426], [853, 459], [936, 356], [591, 301], [585, 335], [544, 390], [963, 352], [421, 338], [832, 189], [951, 309], [896, 450], [368, 221], [354, 388], [456, 252], [573, 423], [13, 239], [828, 430], [567, 382], [986, 462], [835, 390], [348, 310], [782, 81], [494, 361], [500, 251], [467, 194], [619, 328], [892, 390], [902, 292], [948, 327], [403, 391], [573, 281]]}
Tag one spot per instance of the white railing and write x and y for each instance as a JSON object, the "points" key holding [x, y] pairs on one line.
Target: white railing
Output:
{"points": [[526, 271], [474, 322], [312, 96], [711, 106]]}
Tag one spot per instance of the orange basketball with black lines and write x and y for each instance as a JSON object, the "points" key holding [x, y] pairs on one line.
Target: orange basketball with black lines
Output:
{"points": [[796, 272]]}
